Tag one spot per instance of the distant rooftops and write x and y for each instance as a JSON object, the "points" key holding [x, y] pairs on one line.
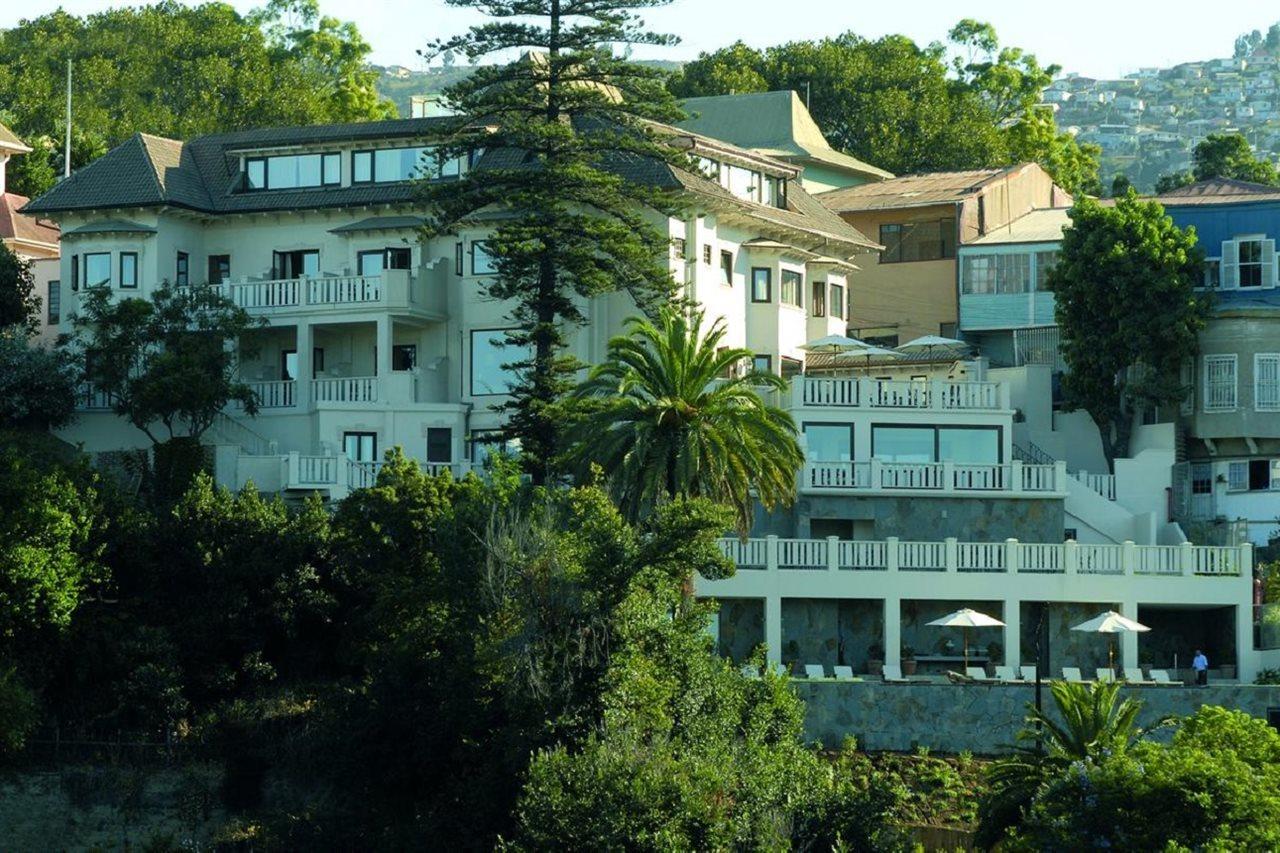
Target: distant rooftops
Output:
{"points": [[915, 190], [1219, 191], [772, 123]]}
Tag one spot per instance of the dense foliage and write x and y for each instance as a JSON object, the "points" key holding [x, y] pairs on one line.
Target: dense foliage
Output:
{"points": [[906, 108], [1222, 155], [19, 304], [175, 70], [1129, 315], [573, 212], [675, 414]]}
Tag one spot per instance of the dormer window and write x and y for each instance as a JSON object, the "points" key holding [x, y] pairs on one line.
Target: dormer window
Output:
{"points": [[390, 165], [293, 171]]}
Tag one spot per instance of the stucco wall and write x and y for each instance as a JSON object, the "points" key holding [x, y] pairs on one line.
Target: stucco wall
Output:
{"points": [[978, 718]]}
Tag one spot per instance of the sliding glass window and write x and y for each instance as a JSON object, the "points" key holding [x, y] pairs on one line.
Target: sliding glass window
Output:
{"points": [[962, 445], [828, 442], [293, 171]]}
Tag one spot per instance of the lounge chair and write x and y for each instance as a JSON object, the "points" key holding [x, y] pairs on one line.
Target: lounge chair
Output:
{"points": [[893, 674], [1133, 675], [814, 670], [977, 673], [843, 672], [1072, 674], [1106, 673], [1161, 677], [1006, 673], [1028, 672]]}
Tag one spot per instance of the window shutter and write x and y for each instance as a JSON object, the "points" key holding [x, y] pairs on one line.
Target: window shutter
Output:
{"points": [[1230, 265], [1268, 263]]}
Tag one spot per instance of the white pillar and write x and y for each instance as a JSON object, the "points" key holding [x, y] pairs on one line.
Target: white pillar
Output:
{"points": [[773, 628], [305, 346], [383, 365], [1246, 655], [1012, 633], [893, 631], [1129, 639]]}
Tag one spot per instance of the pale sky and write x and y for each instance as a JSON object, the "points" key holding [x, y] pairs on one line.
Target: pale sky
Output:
{"points": [[1098, 38]]}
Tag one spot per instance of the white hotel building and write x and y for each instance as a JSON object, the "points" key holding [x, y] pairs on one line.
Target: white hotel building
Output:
{"points": [[913, 500]]}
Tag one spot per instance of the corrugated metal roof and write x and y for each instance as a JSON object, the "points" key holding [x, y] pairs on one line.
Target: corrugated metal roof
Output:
{"points": [[1219, 191], [912, 190], [1037, 226]]}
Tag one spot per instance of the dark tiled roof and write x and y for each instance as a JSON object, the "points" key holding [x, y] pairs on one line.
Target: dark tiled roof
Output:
{"points": [[202, 175], [379, 223], [110, 226]]}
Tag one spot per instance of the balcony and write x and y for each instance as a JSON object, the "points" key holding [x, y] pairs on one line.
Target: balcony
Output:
{"points": [[938, 395], [393, 290], [772, 553], [339, 476], [938, 478]]}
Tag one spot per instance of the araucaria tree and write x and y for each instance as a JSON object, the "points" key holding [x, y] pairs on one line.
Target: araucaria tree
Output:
{"points": [[1127, 310], [568, 141]]}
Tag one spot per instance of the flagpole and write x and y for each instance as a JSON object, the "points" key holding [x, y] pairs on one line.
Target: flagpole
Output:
{"points": [[66, 162]]}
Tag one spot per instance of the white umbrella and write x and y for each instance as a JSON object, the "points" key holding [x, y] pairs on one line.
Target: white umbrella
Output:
{"points": [[836, 345], [1111, 622], [928, 343], [964, 619]]}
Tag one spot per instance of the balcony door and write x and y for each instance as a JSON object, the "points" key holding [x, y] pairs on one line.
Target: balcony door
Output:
{"points": [[360, 446], [375, 261], [302, 263]]}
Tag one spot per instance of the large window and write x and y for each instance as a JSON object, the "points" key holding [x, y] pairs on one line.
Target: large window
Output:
{"points": [[1266, 382], [918, 241], [129, 269], [53, 302], [360, 446], [761, 284], [962, 445], [1253, 475], [439, 444], [97, 269], [299, 263], [792, 288], [386, 165], [482, 262], [293, 171], [818, 301], [219, 269], [1219, 383], [489, 352], [828, 442], [985, 274], [837, 301]]}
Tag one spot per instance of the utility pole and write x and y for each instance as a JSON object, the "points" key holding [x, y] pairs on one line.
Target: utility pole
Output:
{"points": [[807, 85], [66, 162]]}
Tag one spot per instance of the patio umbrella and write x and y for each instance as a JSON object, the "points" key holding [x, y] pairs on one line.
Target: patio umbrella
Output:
{"points": [[834, 345], [928, 343], [1111, 622], [964, 619]]}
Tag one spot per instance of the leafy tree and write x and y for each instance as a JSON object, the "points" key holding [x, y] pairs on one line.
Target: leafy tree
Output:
{"points": [[668, 423], [1229, 155], [1172, 181], [904, 107], [1090, 723], [175, 70], [37, 385], [1128, 312], [19, 304], [578, 226], [1120, 185]]}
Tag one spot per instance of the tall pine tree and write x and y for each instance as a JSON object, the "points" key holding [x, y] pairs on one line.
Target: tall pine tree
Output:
{"points": [[568, 141]]}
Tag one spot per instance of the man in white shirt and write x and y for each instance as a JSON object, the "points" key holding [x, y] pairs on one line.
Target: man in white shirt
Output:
{"points": [[1200, 664]]}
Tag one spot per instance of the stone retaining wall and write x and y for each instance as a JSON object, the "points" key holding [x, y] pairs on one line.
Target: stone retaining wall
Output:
{"points": [[979, 718]]}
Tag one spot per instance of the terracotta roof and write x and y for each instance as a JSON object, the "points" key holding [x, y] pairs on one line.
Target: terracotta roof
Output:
{"points": [[10, 141], [1219, 191], [19, 226], [913, 190]]}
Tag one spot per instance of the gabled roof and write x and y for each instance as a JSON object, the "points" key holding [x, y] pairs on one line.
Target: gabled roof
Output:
{"points": [[914, 190], [22, 228], [202, 175], [10, 142], [1219, 191], [772, 123]]}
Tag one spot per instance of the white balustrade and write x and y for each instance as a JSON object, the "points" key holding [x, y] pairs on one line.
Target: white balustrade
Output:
{"points": [[862, 392], [911, 475], [344, 290], [861, 555], [980, 478], [295, 292], [981, 556], [347, 389], [922, 556], [802, 553], [317, 470], [275, 293], [1101, 559], [828, 392], [936, 476], [1103, 484], [837, 475], [1040, 558], [1159, 560], [277, 394], [362, 475]]}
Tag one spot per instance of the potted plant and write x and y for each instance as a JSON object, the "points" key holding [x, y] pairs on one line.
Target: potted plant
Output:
{"points": [[995, 656], [908, 660], [875, 659]]}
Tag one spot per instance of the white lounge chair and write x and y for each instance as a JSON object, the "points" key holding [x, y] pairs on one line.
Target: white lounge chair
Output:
{"points": [[893, 674], [977, 673], [1072, 674], [1133, 675], [842, 672], [814, 670], [1006, 673], [1028, 672], [1161, 676], [1106, 674]]}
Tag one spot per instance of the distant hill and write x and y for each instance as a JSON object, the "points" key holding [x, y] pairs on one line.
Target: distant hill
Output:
{"points": [[1148, 122], [398, 83]]}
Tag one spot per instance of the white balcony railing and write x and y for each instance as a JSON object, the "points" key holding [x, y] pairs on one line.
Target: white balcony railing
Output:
{"points": [[89, 398], [935, 394], [346, 389], [1011, 556], [390, 289], [943, 477], [344, 290], [276, 394]]}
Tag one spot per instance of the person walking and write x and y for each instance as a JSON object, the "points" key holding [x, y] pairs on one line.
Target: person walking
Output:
{"points": [[1200, 665]]}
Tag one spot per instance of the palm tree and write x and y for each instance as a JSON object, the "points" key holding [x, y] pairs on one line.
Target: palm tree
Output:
{"points": [[1089, 725], [666, 415]]}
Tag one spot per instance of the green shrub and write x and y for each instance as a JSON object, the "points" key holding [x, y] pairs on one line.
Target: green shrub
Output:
{"points": [[17, 712]]}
